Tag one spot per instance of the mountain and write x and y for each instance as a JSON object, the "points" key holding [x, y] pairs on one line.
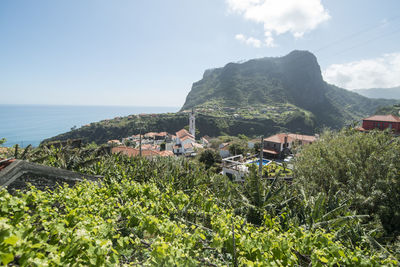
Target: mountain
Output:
{"points": [[258, 97], [294, 79], [388, 93], [394, 110]]}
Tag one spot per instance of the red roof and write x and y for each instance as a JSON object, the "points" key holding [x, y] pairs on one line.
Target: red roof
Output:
{"points": [[188, 145], [387, 118], [280, 138], [154, 134], [182, 133], [302, 137], [166, 153], [197, 145], [148, 147], [277, 138], [150, 134], [187, 137]]}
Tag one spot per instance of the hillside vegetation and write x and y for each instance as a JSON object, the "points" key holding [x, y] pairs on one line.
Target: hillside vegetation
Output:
{"points": [[294, 79], [171, 212], [394, 110], [258, 97]]}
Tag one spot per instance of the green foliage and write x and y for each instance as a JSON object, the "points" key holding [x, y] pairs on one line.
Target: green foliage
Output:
{"points": [[209, 157], [130, 143], [363, 168], [171, 212], [257, 97], [394, 110], [274, 170], [2, 141], [243, 137], [237, 149], [294, 80]]}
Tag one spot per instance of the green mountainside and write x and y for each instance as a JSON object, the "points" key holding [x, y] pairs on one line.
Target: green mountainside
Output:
{"points": [[258, 97], [388, 93], [395, 110], [294, 79]]}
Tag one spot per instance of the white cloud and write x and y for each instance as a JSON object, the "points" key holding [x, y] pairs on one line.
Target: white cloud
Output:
{"points": [[281, 16], [248, 40], [378, 72]]}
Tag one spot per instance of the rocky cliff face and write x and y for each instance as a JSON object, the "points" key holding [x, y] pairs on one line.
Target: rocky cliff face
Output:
{"points": [[292, 78], [295, 79]]}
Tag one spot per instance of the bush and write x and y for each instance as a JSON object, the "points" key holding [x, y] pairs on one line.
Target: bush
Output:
{"points": [[209, 157], [362, 167]]}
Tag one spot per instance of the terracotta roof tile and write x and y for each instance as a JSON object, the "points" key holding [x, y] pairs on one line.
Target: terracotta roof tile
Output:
{"points": [[280, 138], [187, 137], [188, 145], [166, 153], [182, 133], [197, 145], [388, 118]]}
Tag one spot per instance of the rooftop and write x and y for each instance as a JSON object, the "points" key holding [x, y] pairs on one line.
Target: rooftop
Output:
{"points": [[280, 138], [182, 133], [386, 118]]}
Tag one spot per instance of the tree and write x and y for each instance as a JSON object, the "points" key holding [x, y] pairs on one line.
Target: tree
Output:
{"points": [[243, 137], [163, 146], [237, 149], [209, 157], [363, 168], [257, 147], [130, 143], [2, 141]]}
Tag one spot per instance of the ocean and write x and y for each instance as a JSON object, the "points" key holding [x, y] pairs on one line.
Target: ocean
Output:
{"points": [[30, 124]]}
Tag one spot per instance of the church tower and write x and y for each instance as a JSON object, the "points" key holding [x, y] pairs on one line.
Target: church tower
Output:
{"points": [[192, 124]]}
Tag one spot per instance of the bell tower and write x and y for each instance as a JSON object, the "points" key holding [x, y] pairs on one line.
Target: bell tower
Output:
{"points": [[192, 124]]}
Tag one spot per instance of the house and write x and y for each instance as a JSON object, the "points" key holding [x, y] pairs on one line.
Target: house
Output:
{"points": [[150, 147], [278, 145], [183, 137], [224, 150], [166, 153], [156, 136], [381, 122]]}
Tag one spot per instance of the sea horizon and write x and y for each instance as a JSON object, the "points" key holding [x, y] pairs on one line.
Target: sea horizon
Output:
{"points": [[32, 123]]}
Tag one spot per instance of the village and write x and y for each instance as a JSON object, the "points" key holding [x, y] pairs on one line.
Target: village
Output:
{"points": [[278, 151]]}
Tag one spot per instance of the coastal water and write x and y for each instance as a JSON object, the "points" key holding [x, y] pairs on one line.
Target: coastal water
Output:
{"points": [[30, 124]]}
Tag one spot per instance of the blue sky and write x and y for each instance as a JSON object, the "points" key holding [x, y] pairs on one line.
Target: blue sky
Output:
{"points": [[148, 53]]}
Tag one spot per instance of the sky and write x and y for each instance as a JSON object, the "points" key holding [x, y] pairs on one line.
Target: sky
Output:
{"points": [[148, 53]]}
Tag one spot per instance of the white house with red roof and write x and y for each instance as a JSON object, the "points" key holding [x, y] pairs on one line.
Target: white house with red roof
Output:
{"points": [[183, 138]]}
